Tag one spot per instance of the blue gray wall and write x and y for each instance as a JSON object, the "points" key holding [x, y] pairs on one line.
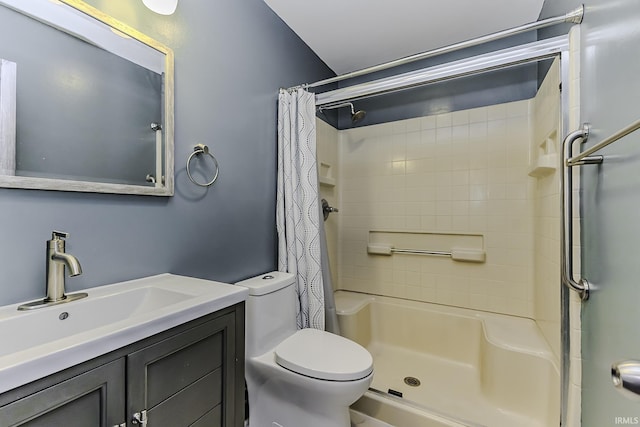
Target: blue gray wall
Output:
{"points": [[610, 89], [231, 58]]}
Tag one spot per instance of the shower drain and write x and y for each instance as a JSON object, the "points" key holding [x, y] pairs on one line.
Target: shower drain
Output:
{"points": [[412, 381]]}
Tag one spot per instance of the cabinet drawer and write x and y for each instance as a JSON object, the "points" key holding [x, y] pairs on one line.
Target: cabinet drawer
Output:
{"points": [[94, 398], [213, 418], [190, 404], [168, 375]]}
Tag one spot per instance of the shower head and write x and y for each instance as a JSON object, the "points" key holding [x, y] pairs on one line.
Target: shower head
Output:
{"points": [[356, 116]]}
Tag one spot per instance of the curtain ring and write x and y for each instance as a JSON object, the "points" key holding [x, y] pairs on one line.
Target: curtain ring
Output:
{"points": [[197, 150]]}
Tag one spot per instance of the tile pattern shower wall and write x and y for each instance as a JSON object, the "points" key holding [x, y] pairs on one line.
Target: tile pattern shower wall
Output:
{"points": [[461, 172], [546, 130], [327, 153]]}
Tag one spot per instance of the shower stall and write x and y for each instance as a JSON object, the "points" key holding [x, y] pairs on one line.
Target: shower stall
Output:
{"points": [[446, 250]]}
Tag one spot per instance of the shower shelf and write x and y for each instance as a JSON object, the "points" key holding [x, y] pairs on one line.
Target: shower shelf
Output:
{"points": [[545, 165], [329, 182], [544, 157], [325, 172]]}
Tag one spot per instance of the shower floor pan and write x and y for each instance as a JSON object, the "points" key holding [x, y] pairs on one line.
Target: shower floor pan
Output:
{"points": [[474, 368]]}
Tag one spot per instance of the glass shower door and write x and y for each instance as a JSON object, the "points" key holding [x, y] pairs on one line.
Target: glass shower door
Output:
{"points": [[610, 210], [611, 317]]}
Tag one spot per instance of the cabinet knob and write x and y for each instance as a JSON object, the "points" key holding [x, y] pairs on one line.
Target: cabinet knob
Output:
{"points": [[140, 418]]}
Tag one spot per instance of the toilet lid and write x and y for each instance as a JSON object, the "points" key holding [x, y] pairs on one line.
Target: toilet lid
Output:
{"points": [[324, 355]]}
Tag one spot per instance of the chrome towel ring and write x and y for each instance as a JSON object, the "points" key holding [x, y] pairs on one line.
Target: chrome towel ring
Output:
{"points": [[197, 150]]}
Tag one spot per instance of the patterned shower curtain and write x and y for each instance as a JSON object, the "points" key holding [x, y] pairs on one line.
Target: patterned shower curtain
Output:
{"points": [[298, 210]]}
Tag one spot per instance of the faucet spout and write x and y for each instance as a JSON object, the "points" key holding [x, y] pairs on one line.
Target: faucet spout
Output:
{"points": [[57, 260], [71, 262]]}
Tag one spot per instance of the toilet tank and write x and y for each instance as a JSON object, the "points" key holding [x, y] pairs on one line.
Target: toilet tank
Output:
{"points": [[270, 311]]}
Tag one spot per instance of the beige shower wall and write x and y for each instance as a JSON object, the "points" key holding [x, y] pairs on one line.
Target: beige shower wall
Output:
{"points": [[465, 172], [546, 114], [327, 153], [462, 172]]}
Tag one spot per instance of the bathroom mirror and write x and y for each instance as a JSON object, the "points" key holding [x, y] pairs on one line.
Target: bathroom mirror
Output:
{"points": [[86, 102]]}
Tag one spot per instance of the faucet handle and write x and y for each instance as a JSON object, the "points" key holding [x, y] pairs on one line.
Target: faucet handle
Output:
{"points": [[56, 235]]}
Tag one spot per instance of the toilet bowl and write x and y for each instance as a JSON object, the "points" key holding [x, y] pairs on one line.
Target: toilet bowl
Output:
{"points": [[297, 378]]}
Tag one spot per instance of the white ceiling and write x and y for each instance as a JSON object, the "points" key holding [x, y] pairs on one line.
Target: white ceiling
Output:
{"points": [[354, 34]]}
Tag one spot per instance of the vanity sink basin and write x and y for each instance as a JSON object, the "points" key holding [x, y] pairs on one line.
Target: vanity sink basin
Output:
{"points": [[37, 343]]}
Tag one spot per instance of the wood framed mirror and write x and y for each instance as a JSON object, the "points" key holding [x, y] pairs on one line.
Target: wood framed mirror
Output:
{"points": [[86, 102]]}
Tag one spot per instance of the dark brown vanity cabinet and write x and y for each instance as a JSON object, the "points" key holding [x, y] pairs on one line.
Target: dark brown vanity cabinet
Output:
{"points": [[191, 375]]}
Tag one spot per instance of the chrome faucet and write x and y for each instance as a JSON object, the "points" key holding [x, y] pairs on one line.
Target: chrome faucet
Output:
{"points": [[57, 260]]}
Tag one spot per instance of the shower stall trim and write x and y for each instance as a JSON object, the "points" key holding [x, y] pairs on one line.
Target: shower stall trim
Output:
{"points": [[501, 59]]}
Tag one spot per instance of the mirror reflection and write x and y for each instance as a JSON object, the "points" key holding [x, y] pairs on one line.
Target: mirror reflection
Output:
{"points": [[82, 102]]}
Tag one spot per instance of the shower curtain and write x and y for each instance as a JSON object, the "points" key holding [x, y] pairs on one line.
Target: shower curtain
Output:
{"points": [[297, 204]]}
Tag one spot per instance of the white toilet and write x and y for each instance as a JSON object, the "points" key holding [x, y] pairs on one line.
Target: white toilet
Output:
{"points": [[297, 378]]}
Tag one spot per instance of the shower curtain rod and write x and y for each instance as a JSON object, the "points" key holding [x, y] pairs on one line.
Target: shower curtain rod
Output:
{"points": [[574, 17], [501, 59]]}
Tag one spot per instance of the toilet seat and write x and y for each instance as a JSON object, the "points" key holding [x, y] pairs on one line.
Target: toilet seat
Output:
{"points": [[323, 355]]}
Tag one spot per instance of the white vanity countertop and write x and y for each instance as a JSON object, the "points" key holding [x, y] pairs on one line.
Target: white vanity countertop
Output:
{"points": [[38, 343]]}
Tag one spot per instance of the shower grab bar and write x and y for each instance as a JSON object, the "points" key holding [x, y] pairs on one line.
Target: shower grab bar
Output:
{"points": [[420, 252], [581, 286], [382, 249], [456, 254], [584, 158]]}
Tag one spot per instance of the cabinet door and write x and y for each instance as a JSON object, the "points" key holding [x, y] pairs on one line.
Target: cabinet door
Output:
{"points": [[94, 398], [187, 379]]}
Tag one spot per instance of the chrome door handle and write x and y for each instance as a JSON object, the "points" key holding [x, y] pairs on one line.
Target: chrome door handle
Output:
{"points": [[626, 378]]}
